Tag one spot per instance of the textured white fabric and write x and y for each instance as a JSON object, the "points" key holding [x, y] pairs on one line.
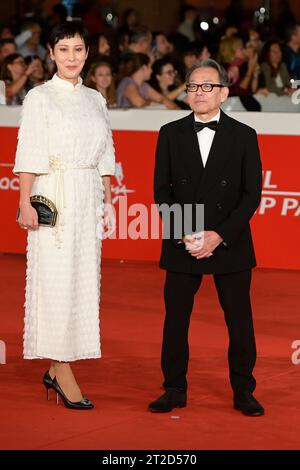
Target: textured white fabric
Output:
{"points": [[206, 137], [65, 139]]}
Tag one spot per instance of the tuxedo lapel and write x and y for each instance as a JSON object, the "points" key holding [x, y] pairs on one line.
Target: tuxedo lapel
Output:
{"points": [[220, 152], [189, 149]]}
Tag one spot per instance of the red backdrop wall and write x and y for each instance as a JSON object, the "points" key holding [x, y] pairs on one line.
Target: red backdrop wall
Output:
{"points": [[276, 227]]}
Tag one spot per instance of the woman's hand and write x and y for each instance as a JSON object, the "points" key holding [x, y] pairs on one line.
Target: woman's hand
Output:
{"points": [[233, 74], [109, 221], [28, 218], [252, 63]]}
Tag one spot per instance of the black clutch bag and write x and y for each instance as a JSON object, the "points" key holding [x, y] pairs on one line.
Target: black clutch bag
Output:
{"points": [[46, 210]]}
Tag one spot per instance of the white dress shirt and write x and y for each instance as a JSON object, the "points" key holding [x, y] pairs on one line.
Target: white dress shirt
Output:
{"points": [[206, 137]]}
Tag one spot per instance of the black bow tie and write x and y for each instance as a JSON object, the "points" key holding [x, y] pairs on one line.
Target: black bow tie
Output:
{"points": [[198, 126]]}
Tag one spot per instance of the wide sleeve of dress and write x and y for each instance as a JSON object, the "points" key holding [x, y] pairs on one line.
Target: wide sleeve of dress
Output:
{"points": [[32, 149], [107, 158]]}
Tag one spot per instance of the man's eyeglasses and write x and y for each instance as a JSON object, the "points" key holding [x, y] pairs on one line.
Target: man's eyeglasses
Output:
{"points": [[206, 87]]}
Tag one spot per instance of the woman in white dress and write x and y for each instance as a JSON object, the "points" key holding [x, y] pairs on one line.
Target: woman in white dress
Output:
{"points": [[65, 152]]}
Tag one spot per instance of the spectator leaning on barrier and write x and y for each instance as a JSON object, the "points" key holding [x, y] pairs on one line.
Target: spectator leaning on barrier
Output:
{"points": [[242, 66], [133, 90], [100, 77], [275, 75], [291, 50], [243, 70], [163, 80], [15, 74]]}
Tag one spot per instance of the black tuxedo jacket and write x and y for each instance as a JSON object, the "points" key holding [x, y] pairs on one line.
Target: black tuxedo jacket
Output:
{"points": [[229, 187]]}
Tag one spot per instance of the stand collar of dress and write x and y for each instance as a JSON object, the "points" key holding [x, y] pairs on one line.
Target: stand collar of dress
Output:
{"points": [[65, 85]]}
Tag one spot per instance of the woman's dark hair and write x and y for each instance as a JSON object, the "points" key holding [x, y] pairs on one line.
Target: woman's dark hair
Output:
{"points": [[265, 55], [94, 44], [157, 68], [69, 29], [5, 73], [132, 63], [158, 65]]}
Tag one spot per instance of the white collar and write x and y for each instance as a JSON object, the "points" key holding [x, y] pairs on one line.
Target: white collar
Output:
{"points": [[214, 118], [64, 84]]}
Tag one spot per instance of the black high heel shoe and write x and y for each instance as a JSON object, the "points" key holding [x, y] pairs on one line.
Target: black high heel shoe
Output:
{"points": [[84, 404], [48, 382]]}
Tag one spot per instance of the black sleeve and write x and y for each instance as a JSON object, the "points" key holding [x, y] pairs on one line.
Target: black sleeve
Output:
{"points": [[162, 172], [163, 194], [231, 228]]}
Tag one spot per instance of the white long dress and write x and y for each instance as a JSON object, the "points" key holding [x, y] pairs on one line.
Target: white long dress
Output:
{"points": [[65, 139]]}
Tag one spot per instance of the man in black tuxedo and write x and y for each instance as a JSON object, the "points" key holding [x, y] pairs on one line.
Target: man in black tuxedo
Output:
{"points": [[211, 159]]}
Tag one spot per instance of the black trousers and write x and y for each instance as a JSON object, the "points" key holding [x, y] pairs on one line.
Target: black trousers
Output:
{"points": [[234, 297]]}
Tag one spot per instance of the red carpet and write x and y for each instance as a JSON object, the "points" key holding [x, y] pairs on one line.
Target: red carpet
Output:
{"points": [[128, 376]]}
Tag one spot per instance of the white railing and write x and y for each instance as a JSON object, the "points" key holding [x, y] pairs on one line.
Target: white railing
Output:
{"points": [[153, 119]]}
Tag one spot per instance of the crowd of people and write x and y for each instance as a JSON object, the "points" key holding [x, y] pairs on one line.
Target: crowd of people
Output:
{"points": [[137, 68]]}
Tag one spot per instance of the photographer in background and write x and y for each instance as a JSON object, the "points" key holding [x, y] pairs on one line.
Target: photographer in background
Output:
{"points": [[15, 73]]}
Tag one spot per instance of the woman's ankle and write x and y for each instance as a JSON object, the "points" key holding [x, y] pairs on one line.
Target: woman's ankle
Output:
{"points": [[52, 370]]}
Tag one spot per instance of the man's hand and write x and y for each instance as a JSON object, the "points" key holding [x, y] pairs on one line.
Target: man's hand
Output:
{"points": [[202, 244]]}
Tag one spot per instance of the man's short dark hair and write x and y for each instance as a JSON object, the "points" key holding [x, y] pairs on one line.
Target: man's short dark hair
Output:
{"points": [[69, 29], [223, 76]]}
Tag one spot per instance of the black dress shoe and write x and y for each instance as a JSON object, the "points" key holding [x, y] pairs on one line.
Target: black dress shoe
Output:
{"points": [[169, 400], [247, 404]]}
